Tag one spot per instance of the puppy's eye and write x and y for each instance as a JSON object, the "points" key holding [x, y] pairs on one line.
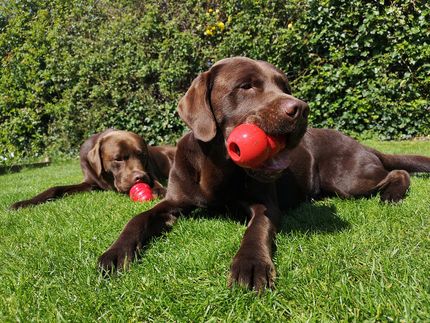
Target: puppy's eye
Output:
{"points": [[246, 85]]}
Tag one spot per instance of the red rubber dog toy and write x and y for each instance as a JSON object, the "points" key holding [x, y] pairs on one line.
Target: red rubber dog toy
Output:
{"points": [[249, 146], [141, 192]]}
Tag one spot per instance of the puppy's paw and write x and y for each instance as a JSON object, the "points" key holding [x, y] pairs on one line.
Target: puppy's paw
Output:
{"points": [[253, 272], [159, 191], [20, 205]]}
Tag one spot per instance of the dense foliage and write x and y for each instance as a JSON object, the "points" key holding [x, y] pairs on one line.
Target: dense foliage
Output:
{"points": [[71, 68]]}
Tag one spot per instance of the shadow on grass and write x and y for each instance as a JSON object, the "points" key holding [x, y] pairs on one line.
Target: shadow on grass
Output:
{"points": [[313, 219], [421, 175], [306, 218]]}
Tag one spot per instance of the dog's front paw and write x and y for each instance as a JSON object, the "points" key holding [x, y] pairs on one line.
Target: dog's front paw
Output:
{"points": [[117, 257], [252, 272]]}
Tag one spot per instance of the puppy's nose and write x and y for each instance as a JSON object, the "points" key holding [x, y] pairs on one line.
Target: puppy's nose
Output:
{"points": [[140, 177], [295, 108]]}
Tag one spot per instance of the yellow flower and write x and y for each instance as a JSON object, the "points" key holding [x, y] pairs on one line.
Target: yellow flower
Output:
{"points": [[290, 25], [208, 32], [220, 25], [210, 10]]}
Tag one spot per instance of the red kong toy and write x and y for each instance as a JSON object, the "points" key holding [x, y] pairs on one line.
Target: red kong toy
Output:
{"points": [[141, 192], [249, 146]]}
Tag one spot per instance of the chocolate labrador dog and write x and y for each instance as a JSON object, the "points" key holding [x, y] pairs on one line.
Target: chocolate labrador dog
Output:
{"points": [[114, 160], [314, 162], [232, 92]]}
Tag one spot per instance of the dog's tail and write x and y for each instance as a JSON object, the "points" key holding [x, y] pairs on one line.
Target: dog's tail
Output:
{"points": [[409, 163]]}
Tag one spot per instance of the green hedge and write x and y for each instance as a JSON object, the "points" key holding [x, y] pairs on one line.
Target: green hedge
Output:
{"points": [[71, 68]]}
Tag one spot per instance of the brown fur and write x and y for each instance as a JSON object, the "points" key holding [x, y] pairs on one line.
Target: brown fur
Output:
{"points": [[114, 160], [329, 163]]}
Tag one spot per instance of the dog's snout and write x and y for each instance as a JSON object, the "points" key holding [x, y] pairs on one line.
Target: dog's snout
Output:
{"points": [[295, 108], [140, 177]]}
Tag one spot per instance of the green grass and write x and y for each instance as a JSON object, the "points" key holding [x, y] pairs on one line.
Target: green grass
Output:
{"points": [[336, 260]]}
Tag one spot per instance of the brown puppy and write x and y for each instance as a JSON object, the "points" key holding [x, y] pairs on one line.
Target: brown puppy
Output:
{"points": [[114, 160], [323, 162], [233, 91]]}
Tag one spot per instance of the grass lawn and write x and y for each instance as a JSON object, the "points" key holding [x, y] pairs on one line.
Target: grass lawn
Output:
{"points": [[336, 260]]}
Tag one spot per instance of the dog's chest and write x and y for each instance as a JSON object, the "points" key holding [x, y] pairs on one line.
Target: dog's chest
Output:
{"points": [[218, 185]]}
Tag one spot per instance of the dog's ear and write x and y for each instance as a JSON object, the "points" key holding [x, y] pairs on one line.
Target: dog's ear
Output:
{"points": [[94, 158], [194, 108]]}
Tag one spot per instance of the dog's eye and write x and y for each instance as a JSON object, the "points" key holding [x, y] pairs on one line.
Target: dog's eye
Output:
{"points": [[246, 85]]}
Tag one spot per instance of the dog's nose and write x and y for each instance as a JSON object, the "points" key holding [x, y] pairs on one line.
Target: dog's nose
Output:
{"points": [[140, 177], [295, 108]]}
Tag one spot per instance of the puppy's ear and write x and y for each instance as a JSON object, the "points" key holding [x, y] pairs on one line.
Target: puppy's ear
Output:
{"points": [[194, 108], [94, 158]]}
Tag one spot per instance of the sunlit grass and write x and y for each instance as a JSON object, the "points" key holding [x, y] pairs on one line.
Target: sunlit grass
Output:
{"points": [[336, 260]]}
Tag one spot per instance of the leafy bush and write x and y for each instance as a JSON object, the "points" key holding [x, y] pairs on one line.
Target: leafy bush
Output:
{"points": [[71, 68]]}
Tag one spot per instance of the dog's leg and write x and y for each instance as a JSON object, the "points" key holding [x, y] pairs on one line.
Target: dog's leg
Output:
{"points": [[137, 233], [252, 266], [53, 193], [394, 186]]}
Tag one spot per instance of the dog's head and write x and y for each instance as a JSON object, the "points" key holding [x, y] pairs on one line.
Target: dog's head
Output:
{"points": [[122, 158], [240, 90]]}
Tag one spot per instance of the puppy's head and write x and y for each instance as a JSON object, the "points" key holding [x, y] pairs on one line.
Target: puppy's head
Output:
{"points": [[122, 158], [240, 90]]}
